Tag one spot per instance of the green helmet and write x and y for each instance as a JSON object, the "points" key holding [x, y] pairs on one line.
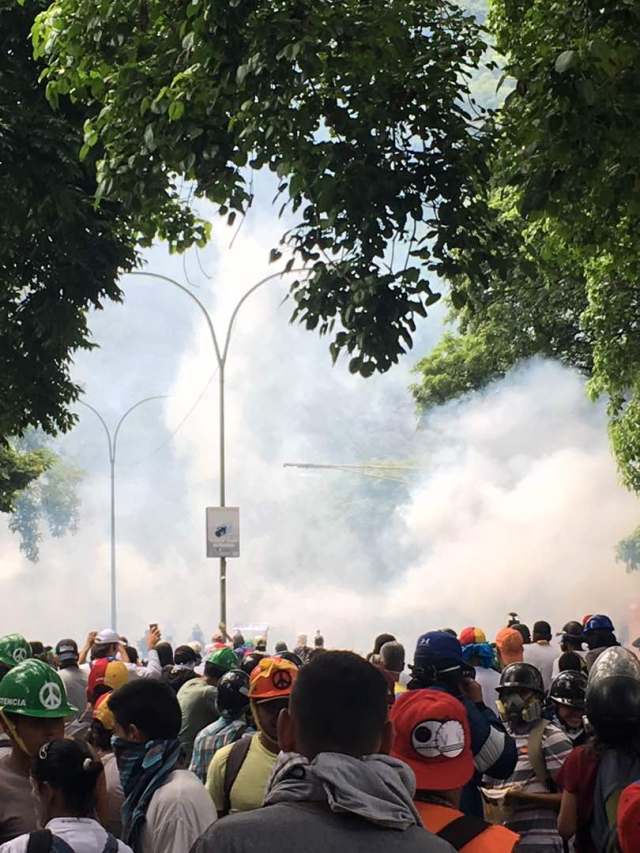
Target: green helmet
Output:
{"points": [[34, 689], [13, 650], [225, 658]]}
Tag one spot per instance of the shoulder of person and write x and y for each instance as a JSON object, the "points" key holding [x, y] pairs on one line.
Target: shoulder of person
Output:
{"points": [[555, 739]]}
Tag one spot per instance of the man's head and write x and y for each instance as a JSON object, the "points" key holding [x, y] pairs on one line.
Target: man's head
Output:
{"points": [[338, 704], [431, 735], [523, 630], [521, 691], [599, 632], [106, 644], [380, 640], [571, 637], [67, 653], [567, 693], [437, 660], [393, 657], [105, 675], [270, 685], [238, 640], [14, 649], [219, 662], [33, 705], [541, 632], [145, 709], [185, 656], [510, 645], [571, 661]]}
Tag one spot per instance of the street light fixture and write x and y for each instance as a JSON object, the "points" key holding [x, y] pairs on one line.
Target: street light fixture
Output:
{"points": [[112, 443], [221, 358]]}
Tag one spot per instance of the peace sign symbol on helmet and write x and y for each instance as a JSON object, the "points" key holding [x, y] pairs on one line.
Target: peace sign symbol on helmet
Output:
{"points": [[281, 679], [50, 696], [19, 654]]}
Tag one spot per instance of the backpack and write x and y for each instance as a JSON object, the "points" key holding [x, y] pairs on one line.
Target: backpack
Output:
{"points": [[462, 830], [235, 760], [44, 841]]}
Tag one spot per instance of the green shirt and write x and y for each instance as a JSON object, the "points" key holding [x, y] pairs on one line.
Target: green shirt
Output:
{"points": [[197, 701]]}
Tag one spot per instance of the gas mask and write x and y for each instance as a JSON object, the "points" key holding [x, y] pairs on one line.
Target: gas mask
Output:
{"points": [[514, 709]]}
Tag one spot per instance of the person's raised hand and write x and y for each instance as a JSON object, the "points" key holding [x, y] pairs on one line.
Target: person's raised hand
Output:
{"points": [[153, 637]]}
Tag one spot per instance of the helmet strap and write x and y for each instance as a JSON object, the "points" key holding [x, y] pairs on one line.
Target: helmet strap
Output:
{"points": [[13, 733]]}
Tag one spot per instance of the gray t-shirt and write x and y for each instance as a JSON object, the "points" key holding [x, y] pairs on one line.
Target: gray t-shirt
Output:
{"points": [[17, 803], [312, 827], [75, 683]]}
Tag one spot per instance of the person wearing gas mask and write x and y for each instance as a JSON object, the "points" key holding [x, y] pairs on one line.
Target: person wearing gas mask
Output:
{"points": [[528, 801]]}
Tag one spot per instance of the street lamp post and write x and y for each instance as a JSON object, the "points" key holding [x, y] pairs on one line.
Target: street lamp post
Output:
{"points": [[112, 444], [221, 358]]}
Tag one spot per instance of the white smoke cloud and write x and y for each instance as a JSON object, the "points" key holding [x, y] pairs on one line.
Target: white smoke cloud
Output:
{"points": [[516, 503]]}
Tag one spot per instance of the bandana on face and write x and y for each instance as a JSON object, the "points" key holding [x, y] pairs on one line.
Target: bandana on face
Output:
{"points": [[144, 767]]}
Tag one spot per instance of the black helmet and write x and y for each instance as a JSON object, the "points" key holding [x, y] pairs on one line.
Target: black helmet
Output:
{"points": [[295, 659], [569, 688], [250, 662], [572, 631], [233, 691], [521, 676], [613, 694]]}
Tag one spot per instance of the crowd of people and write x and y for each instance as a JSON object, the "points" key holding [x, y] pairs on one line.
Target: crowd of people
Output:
{"points": [[529, 743]]}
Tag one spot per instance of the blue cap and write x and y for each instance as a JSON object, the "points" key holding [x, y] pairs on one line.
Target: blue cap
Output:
{"points": [[599, 623], [436, 648]]}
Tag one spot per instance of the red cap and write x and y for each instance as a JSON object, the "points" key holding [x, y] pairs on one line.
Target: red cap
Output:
{"points": [[628, 822], [110, 673], [431, 735], [469, 636]]}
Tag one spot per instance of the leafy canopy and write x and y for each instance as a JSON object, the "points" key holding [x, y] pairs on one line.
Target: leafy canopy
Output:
{"points": [[360, 108]]}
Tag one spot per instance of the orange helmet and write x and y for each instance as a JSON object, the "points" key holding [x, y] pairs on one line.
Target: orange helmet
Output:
{"points": [[272, 678], [103, 713]]}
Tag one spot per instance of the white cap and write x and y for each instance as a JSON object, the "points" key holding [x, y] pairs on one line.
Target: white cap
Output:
{"points": [[108, 636]]}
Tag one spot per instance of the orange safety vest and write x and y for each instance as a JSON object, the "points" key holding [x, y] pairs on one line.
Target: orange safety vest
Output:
{"points": [[494, 839]]}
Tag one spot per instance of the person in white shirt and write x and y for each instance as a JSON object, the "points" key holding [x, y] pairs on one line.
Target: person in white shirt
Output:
{"points": [[108, 644], [65, 777], [540, 653], [165, 809]]}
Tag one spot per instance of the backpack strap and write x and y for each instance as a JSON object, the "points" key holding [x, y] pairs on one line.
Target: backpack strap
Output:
{"points": [[611, 809], [536, 756], [462, 830], [111, 845], [235, 760], [39, 841]]}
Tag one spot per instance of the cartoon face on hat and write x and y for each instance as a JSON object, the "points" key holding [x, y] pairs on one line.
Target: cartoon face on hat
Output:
{"points": [[107, 673], [272, 678], [431, 734]]}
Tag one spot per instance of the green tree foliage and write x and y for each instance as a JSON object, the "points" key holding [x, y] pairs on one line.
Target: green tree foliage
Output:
{"points": [[628, 551], [17, 471], [360, 107], [59, 255], [566, 184], [49, 500]]}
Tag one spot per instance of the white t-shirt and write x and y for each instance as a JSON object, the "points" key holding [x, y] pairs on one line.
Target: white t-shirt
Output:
{"points": [[542, 656], [489, 680], [178, 814], [83, 834]]}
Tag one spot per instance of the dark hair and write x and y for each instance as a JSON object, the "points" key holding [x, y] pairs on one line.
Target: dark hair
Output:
{"points": [[185, 654], [69, 767], [381, 639], [132, 653], [601, 639], [393, 656], [149, 705], [339, 704], [37, 648], [102, 650], [212, 670], [570, 660], [165, 653], [541, 630], [99, 736], [523, 630]]}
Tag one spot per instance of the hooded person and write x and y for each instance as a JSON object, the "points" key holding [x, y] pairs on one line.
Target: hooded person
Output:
{"points": [[438, 663], [333, 788], [528, 801], [33, 710], [479, 654], [595, 774], [165, 808], [431, 735], [238, 773]]}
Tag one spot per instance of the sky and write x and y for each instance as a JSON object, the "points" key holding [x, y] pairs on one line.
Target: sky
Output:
{"points": [[514, 503]]}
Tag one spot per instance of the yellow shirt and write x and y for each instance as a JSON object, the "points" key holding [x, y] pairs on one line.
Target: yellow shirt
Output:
{"points": [[249, 788]]}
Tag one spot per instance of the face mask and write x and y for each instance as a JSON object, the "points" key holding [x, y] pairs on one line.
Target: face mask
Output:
{"points": [[126, 750], [515, 709]]}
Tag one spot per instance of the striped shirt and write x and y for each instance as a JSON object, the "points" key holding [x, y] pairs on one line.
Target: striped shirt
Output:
{"points": [[536, 826], [212, 738]]}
